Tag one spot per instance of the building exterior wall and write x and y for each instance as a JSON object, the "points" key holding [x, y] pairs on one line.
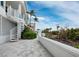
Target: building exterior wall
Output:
{"points": [[0, 26], [6, 27], [11, 21], [2, 9]]}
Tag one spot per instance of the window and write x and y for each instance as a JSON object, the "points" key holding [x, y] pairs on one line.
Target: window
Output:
{"points": [[2, 3], [6, 9]]}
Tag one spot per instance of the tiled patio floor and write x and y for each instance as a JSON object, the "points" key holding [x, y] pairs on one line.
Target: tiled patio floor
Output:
{"points": [[23, 48]]}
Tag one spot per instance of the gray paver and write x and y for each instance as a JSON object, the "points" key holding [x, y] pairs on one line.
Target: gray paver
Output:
{"points": [[23, 48]]}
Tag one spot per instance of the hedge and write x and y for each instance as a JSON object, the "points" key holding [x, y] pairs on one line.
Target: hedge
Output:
{"points": [[28, 34]]}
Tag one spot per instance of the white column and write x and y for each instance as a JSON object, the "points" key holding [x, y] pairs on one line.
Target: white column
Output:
{"points": [[1, 27], [4, 4], [19, 9], [9, 10]]}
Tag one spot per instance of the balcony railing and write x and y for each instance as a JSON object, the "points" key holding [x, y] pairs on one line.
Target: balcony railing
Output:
{"points": [[13, 12]]}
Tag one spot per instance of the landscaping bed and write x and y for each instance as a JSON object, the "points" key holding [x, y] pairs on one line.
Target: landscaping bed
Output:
{"points": [[74, 43], [66, 36]]}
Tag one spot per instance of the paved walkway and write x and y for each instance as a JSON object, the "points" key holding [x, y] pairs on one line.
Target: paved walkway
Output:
{"points": [[23, 48]]}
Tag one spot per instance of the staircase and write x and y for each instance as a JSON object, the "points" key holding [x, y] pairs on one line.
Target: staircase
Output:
{"points": [[13, 34]]}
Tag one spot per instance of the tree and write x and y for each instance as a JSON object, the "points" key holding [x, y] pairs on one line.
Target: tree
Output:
{"points": [[36, 19], [62, 34], [54, 32], [72, 34], [58, 27], [47, 32], [31, 13], [58, 31]]}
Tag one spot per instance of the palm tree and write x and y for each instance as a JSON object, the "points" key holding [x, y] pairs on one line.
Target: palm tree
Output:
{"points": [[57, 30], [58, 27], [35, 20], [31, 13]]}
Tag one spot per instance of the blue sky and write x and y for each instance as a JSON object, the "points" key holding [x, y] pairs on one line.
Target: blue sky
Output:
{"points": [[51, 13]]}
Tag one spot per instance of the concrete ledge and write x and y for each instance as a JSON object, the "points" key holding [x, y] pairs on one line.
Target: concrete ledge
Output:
{"points": [[58, 49]]}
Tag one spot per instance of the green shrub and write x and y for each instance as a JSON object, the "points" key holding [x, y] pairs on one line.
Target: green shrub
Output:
{"points": [[76, 46], [77, 37], [72, 34], [28, 34]]}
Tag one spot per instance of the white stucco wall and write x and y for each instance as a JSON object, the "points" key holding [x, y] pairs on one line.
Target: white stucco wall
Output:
{"points": [[0, 25], [2, 10], [6, 27], [8, 24], [58, 49]]}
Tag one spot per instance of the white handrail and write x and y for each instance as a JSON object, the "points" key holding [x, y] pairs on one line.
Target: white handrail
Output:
{"points": [[13, 34]]}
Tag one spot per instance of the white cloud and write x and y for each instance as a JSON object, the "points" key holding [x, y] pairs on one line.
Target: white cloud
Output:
{"points": [[43, 26], [70, 10], [44, 22], [41, 18]]}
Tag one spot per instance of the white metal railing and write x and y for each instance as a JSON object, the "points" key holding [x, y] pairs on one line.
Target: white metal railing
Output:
{"points": [[13, 12], [13, 34], [19, 30]]}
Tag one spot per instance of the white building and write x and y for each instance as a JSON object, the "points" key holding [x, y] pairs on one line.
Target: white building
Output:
{"points": [[12, 20]]}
